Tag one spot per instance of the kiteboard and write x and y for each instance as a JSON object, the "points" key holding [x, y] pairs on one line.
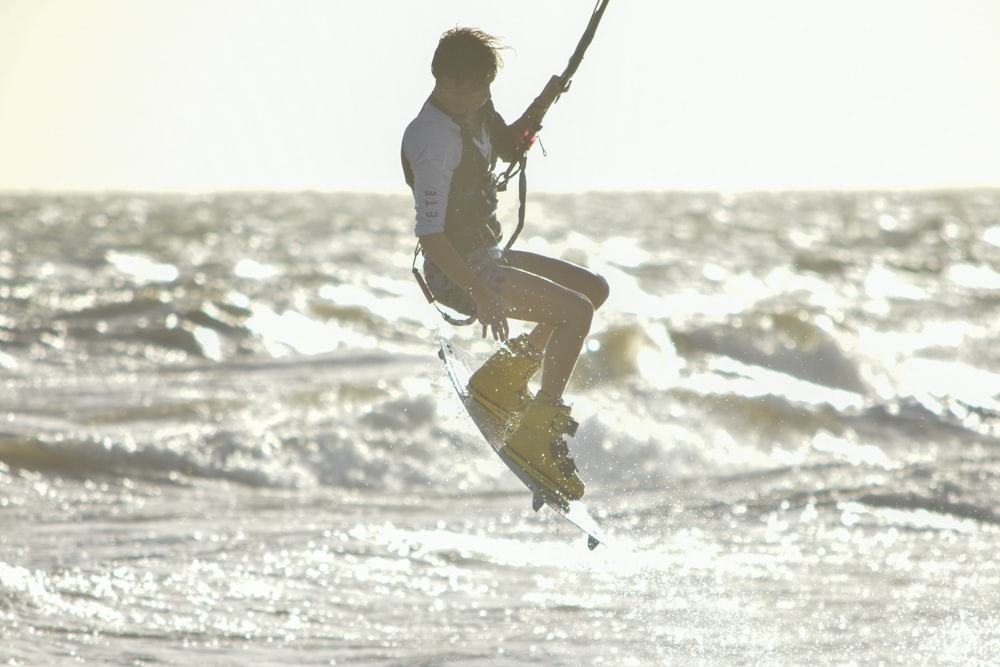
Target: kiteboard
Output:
{"points": [[459, 365]]}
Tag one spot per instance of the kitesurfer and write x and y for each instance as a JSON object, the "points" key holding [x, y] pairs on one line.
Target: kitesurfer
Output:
{"points": [[449, 152]]}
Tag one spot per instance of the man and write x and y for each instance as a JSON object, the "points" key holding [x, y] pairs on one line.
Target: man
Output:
{"points": [[450, 152]]}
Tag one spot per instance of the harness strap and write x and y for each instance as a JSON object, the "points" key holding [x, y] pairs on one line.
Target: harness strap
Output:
{"points": [[454, 321], [522, 198]]}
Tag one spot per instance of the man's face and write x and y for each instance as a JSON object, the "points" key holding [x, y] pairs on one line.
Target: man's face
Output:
{"points": [[463, 98]]}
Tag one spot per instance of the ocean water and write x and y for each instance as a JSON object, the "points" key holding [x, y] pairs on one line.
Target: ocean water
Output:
{"points": [[225, 437]]}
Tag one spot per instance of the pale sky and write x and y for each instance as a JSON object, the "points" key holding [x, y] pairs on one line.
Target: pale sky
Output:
{"points": [[673, 95]]}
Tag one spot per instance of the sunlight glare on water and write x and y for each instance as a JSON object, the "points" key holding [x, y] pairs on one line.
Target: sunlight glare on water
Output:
{"points": [[142, 268], [294, 330], [979, 277]]}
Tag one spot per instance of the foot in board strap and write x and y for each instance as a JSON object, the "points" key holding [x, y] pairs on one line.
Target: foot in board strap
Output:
{"points": [[501, 384], [538, 446]]}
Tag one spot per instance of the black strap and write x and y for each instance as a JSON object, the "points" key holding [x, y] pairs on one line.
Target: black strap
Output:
{"points": [[522, 199]]}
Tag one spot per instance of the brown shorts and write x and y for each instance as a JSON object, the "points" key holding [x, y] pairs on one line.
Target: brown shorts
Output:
{"points": [[486, 263]]}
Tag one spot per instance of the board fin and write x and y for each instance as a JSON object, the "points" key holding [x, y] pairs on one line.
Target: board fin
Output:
{"points": [[536, 502], [592, 542]]}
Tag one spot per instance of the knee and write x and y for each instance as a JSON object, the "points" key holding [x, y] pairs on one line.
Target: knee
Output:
{"points": [[599, 291]]}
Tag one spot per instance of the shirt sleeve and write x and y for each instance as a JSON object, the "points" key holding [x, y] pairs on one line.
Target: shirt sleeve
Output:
{"points": [[434, 152]]}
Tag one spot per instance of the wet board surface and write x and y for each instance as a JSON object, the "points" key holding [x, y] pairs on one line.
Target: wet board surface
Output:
{"points": [[459, 365]]}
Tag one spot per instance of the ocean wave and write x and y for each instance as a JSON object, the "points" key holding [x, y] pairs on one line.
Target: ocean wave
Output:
{"points": [[932, 504], [278, 339], [793, 343]]}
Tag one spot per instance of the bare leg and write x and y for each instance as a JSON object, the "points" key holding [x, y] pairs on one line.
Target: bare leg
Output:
{"points": [[586, 282], [562, 353], [562, 313], [539, 336], [560, 298], [562, 326]]}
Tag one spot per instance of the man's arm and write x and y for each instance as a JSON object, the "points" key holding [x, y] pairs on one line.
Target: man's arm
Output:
{"points": [[442, 253], [490, 308], [523, 129]]}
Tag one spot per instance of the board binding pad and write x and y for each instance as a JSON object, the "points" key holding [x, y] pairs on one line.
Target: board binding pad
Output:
{"points": [[459, 365]]}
